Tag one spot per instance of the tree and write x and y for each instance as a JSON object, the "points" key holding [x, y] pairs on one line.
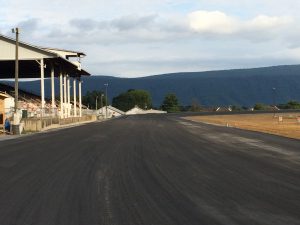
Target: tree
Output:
{"points": [[236, 108], [260, 106], [290, 105], [195, 106], [127, 100], [170, 103], [90, 99]]}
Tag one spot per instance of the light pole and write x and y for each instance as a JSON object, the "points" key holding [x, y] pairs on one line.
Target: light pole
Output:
{"points": [[101, 102], [274, 99], [96, 102], [16, 31], [106, 86]]}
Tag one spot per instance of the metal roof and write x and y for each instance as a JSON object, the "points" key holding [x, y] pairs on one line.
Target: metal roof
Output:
{"points": [[112, 108], [29, 47], [5, 95], [68, 53], [28, 65]]}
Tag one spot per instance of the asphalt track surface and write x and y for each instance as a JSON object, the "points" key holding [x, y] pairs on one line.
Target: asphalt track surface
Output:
{"points": [[149, 170]]}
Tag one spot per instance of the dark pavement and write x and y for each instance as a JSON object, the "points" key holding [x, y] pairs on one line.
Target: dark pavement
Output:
{"points": [[150, 170]]}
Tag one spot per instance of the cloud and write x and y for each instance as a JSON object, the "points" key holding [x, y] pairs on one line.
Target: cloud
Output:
{"points": [[30, 24], [84, 24], [124, 23], [212, 22], [140, 37], [157, 28], [128, 29], [134, 22], [267, 22], [216, 22]]}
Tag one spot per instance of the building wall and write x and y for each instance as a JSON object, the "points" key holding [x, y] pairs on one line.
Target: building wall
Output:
{"points": [[9, 103], [8, 51], [2, 111], [135, 111], [111, 113]]}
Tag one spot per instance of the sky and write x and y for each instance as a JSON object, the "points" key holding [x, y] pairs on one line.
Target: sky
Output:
{"points": [[134, 38]]}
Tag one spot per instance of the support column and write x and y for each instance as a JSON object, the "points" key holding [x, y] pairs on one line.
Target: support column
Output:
{"points": [[80, 103], [65, 96], [16, 122], [52, 91], [61, 95], [69, 103], [42, 86], [74, 95]]}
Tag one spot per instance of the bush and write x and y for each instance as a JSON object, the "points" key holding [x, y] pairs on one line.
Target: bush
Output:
{"points": [[290, 105], [170, 103], [131, 98], [260, 106]]}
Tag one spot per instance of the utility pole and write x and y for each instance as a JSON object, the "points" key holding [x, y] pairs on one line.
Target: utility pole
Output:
{"points": [[274, 96], [96, 102], [16, 31], [274, 100], [101, 102], [80, 98], [106, 85]]}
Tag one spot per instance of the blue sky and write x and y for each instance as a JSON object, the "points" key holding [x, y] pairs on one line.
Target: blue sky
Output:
{"points": [[131, 38]]}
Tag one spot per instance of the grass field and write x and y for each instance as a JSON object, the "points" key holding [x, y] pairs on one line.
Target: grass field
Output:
{"points": [[267, 123]]}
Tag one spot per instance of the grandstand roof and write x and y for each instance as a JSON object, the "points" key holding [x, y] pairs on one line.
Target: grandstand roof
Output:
{"points": [[4, 95], [65, 53], [10, 90], [28, 56]]}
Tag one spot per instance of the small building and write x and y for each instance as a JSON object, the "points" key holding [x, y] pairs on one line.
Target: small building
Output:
{"points": [[6, 104], [154, 111], [138, 111], [223, 109], [111, 112], [135, 110]]}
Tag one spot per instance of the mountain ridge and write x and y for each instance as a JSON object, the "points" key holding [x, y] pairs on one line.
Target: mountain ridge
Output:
{"points": [[243, 87]]}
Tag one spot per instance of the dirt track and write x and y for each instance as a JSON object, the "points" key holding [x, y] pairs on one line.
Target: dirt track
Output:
{"points": [[267, 123]]}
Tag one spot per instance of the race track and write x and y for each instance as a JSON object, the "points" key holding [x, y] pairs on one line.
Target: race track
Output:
{"points": [[150, 170]]}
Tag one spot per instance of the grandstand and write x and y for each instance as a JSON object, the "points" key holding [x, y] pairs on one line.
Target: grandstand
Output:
{"points": [[28, 102]]}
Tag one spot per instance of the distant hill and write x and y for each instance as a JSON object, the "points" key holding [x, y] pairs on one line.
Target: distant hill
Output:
{"points": [[243, 87]]}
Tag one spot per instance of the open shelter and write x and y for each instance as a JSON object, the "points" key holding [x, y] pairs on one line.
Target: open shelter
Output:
{"points": [[40, 63]]}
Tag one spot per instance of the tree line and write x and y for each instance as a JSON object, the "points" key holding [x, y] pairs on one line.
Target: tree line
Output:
{"points": [[141, 98], [129, 99]]}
